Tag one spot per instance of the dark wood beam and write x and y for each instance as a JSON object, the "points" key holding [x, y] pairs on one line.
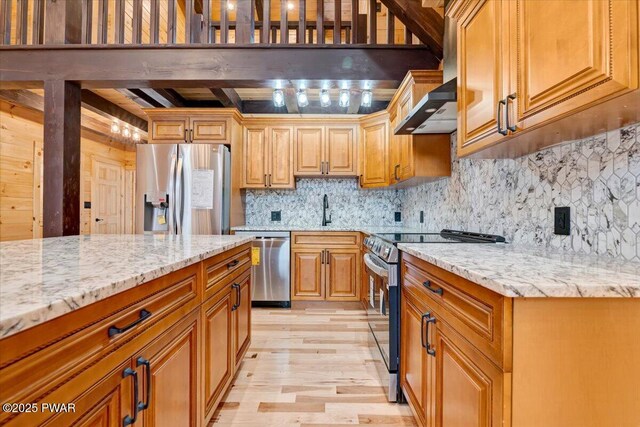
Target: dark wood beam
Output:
{"points": [[140, 98], [94, 102], [266, 107], [425, 23], [63, 22], [61, 159], [168, 98], [291, 100], [188, 66], [228, 97], [245, 24]]}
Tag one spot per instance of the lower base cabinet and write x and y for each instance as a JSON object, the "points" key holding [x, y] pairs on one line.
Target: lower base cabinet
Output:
{"points": [[242, 318]]}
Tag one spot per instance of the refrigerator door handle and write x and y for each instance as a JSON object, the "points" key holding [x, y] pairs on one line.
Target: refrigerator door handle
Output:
{"points": [[178, 198], [172, 193]]}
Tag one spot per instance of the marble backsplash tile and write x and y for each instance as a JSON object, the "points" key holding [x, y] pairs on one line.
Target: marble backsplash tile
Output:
{"points": [[597, 177], [348, 204]]}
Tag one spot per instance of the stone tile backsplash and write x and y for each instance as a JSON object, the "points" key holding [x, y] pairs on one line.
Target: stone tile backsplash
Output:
{"points": [[598, 177]]}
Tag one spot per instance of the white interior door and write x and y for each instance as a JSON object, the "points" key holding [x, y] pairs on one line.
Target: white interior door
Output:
{"points": [[106, 198]]}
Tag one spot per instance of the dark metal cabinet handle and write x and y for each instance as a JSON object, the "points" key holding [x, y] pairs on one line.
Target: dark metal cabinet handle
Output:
{"points": [[114, 330], [422, 338], [266, 183], [233, 264], [395, 172], [270, 181], [141, 361], [427, 285], [191, 135], [128, 420], [186, 135], [360, 180], [501, 103], [237, 303], [430, 350], [322, 257], [511, 97], [328, 255]]}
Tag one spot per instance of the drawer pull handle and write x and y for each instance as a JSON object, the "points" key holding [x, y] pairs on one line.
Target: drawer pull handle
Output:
{"points": [[114, 330], [128, 420], [233, 264], [427, 285], [237, 304], [430, 350], [141, 361]]}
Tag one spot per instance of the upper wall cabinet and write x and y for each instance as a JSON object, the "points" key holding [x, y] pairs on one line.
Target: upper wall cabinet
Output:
{"points": [[325, 150], [530, 70], [268, 157], [189, 126], [374, 151]]}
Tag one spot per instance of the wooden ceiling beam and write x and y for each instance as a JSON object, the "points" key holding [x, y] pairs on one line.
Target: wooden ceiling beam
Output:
{"points": [[118, 67], [228, 97], [168, 98], [140, 98], [424, 23], [94, 102]]}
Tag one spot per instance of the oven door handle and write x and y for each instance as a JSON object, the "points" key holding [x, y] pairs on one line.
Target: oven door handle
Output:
{"points": [[377, 269]]}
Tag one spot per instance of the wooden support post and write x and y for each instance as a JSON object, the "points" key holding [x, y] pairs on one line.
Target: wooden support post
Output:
{"points": [[63, 22], [302, 22], [373, 22], [245, 23], [391, 27], [337, 22], [61, 167], [284, 23], [320, 22], [266, 21]]}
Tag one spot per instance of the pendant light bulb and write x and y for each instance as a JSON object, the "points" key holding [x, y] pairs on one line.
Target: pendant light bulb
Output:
{"points": [[126, 132], [115, 127], [303, 100], [278, 98], [325, 98], [344, 98], [367, 97]]}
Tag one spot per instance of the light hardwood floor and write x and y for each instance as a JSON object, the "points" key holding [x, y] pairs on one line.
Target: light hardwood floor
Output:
{"points": [[310, 366]]}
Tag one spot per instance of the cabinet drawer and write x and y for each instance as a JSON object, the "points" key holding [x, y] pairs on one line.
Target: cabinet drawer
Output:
{"points": [[208, 130], [220, 269], [169, 130], [38, 360], [325, 239], [475, 312]]}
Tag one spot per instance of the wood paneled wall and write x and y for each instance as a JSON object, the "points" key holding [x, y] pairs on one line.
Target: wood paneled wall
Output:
{"points": [[21, 136]]}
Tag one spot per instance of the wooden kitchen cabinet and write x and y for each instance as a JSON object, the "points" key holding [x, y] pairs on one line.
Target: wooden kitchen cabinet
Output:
{"points": [[168, 129], [374, 151], [325, 150], [529, 70], [268, 157], [209, 130], [242, 318], [185, 125], [325, 266]]}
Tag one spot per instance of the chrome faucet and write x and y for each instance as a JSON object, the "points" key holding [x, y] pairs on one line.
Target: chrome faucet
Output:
{"points": [[325, 206]]}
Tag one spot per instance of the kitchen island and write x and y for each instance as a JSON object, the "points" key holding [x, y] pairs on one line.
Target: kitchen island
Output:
{"points": [[116, 326], [501, 334]]}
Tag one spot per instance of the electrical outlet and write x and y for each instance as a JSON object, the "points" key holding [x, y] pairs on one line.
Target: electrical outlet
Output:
{"points": [[398, 217], [276, 215], [562, 220], [421, 217], [87, 205]]}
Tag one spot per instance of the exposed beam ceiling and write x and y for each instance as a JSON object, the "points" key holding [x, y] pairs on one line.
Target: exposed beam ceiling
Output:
{"points": [[424, 23], [166, 97], [105, 108], [236, 66], [140, 98], [228, 97]]}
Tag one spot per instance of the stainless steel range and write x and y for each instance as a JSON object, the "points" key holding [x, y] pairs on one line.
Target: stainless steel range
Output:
{"points": [[382, 265]]}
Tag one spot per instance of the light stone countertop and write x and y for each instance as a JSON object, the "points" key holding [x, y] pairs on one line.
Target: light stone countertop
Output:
{"points": [[368, 229], [42, 279], [518, 271]]}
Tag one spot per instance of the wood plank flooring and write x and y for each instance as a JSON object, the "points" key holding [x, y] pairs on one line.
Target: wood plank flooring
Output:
{"points": [[313, 365]]}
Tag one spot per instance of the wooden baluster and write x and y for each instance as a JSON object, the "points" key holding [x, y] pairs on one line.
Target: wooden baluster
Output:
{"points": [[103, 21], [373, 22], [38, 22], [391, 27], [171, 22], [284, 22], [302, 22], [337, 22], [5, 31], [266, 21], [245, 22], [119, 21], [206, 22], [87, 15], [354, 20], [310, 32], [320, 22], [154, 23], [21, 22], [408, 36], [136, 36], [224, 22], [188, 20], [274, 35]]}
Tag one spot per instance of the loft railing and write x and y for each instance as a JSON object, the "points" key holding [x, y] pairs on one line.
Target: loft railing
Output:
{"points": [[170, 22]]}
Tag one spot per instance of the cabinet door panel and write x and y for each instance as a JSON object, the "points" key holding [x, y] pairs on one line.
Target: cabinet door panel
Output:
{"points": [[343, 270], [308, 274], [405, 143], [219, 358], [340, 151], [242, 320], [208, 130], [255, 157], [173, 369], [570, 54], [309, 150], [483, 64], [469, 386], [171, 130], [281, 157], [374, 154]]}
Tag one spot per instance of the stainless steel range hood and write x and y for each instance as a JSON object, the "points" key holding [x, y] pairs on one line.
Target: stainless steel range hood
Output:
{"points": [[436, 112]]}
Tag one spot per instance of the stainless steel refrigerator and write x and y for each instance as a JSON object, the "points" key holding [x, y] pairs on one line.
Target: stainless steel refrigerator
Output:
{"points": [[182, 189]]}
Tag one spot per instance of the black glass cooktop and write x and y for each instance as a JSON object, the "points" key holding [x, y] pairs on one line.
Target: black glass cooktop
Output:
{"points": [[445, 236]]}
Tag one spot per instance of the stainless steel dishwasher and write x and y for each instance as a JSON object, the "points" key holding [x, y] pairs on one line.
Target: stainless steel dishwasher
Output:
{"points": [[270, 255]]}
